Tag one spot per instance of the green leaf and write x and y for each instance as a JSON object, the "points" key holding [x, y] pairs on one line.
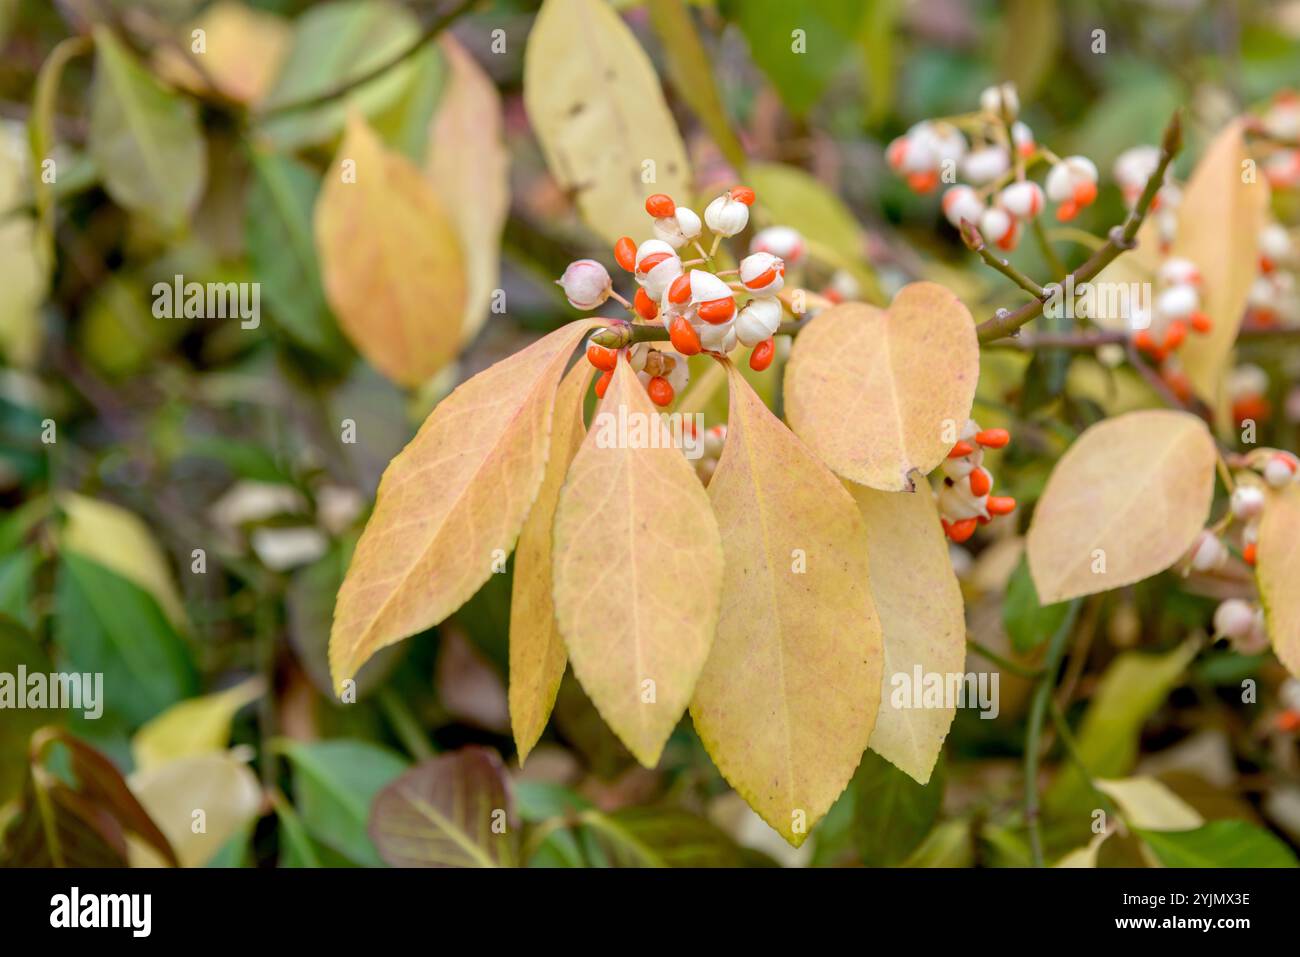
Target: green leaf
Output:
{"points": [[1029, 34], [333, 44], [1220, 844], [16, 573], [17, 648], [799, 46], [453, 810], [892, 813], [405, 125], [282, 251], [691, 72], [145, 140], [334, 784], [1135, 684], [104, 623], [1027, 622]]}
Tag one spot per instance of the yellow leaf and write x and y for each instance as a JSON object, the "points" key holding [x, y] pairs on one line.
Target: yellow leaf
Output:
{"points": [[599, 114], [922, 615], [787, 700], [537, 655], [219, 785], [468, 166], [390, 259], [880, 394], [451, 503], [1085, 856], [196, 726], [1149, 805], [243, 52], [1125, 501], [638, 570], [1219, 221], [1278, 573], [122, 543]]}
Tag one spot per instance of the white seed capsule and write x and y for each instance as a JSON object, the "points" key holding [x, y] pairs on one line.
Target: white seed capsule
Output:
{"points": [[1247, 502], [758, 321], [961, 202], [1279, 472], [762, 273], [781, 241], [1177, 271], [985, 165], [1208, 553], [1024, 199], [958, 504], [1178, 302], [726, 216], [717, 338], [1233, 618], [586, 284]]}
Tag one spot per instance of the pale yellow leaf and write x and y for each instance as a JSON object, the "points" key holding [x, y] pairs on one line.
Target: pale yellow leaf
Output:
{"points": [[1124, 502], [881, 394], [192, 727], [922, 615], [1085, 856], [469, 168], [450, 501], [243, 50], [537, 656], [598, 110], [122, 543], [1278, 572], [23, 276], [219, 785], [1149, 805], [787, 700], [391, 261], [1219, 221], [638, 570]]}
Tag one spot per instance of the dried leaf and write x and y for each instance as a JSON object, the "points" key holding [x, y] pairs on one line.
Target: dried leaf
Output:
{"points": [[390, 259], [1123, 503], [638, 570], [880, 394], [787, 700], [455, 810], [455, 495], [599, 113], [537, 655], [922, 615], [469, 168], [1278, 573], [1219, 221]]}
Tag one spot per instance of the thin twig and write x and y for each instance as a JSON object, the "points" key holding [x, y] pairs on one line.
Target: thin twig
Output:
{"points": [[1121, 239], [343, 89], [975, 243]]}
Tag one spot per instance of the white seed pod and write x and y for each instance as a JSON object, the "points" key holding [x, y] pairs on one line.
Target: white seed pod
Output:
{"points": [[706, 287], [962, 202], [1264, 293], [1208, 553], [1234, 618], [714, 439], [1023, 199], [1176, 271], [1135, 165], [1282, 120], [947, 144], [1275, 243], [1247, 502], [984, 165], [758, 321], [1001, 100], [1065, 177], [586, 284], [650, 247], [717, 338], [958, 468], [762, 273], [1023, 137], [637, 354], [1178, 302], [678, 229], [958, 504], [1250, 532], [844, 285], [1288, 694], [1256, 642], [726, 216], [680, 375], [781, 241], [1246, 380], [659, 278], [920, 154], [1280, 471], [998, 226]]}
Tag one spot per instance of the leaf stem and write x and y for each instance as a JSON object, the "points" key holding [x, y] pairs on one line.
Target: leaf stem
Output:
{"points": [[1006, 664], [1038, 709]]}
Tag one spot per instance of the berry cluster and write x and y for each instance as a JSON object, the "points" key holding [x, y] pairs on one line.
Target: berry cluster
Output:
{"points": [[964, 498], [1175, 312], [997, 197], [697, 305]]}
